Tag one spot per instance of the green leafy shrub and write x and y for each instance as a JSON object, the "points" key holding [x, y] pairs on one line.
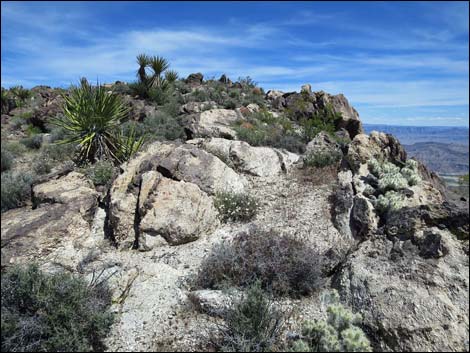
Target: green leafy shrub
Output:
{"points": [[253, 324], [91, 119], [7, 159], [101, 173], [159, 126], [338, 333], [235, 207], [284, 264], [322, 158], [20, 94], [52, 312], [15, 189], [230, 104]]}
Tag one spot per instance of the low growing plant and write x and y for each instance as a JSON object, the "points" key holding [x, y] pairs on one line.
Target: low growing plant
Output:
{"points": [[284, 264], [322, 158], [338, 333], [52, 312], [15, 189], [235, 207], [253, 324]]}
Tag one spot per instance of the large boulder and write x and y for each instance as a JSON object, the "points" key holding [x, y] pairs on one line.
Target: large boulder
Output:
{"points": [[377, 145], [412, 297], [195, 79], [73, 189], [197, 166], [213, 123], [257, 161], [64, 210], [177, 211]]}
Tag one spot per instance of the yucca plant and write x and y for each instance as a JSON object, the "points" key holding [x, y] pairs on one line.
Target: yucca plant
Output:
{"points": [[158, 65], [92, 117], [171, 76], [143, 60]]}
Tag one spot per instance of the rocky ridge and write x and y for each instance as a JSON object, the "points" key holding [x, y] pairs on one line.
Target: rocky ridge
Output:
{"points": [[406, 272]]}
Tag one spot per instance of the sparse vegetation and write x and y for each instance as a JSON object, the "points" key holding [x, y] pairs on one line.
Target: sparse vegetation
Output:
{"points": [[235, 207], [7, 159], [283, 264], [322, 158], [338, 333], [101, 173], [52, 312], [15, 189], [254, 324], [324, 119], [33, 142]]}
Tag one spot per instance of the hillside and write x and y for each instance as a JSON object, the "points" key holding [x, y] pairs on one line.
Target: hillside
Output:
{"points": [[183, 214]]}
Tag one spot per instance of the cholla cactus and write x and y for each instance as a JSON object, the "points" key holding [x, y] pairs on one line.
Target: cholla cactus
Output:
{"points": [[392, 181], [337, 334], [375, 167], [391, 201], [412, 164], [411, 175], [390, 168]]}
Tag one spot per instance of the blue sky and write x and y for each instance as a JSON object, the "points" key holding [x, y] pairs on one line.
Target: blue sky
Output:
{"points": [[402, 63]]}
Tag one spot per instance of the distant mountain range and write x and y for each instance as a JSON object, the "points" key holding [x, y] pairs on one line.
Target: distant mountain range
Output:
{"points": [[409, 135], [443, 149]]}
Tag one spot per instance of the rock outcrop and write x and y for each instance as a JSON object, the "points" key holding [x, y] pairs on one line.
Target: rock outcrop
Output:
{"points": [[212, 123]]}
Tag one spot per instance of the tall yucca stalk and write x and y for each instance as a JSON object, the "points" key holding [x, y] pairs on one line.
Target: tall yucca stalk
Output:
{"points": [[91, 119]]}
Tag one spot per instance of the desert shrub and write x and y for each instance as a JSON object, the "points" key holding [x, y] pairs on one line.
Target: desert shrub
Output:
{"points": [[230, 104], [159, 126], [59, 152], [235, 207], [338, 333], [32, 142], [42, 165], [464, 180], [5, 101], [52, 312], [172, 107], [322, 158], [284, 265], [101, 173], [200, 95], [92, 117], [7, 159], [324, 119], [15, 189], [14, 147], [158, 95], [253, 324], [139, 89]]}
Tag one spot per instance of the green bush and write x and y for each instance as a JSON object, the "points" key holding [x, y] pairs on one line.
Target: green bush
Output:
{"points": [[101, 173], [7, 159], [253, 324], [338, 333], [230, 104], [52, 312], [284, 264], [15, 189], [235, 207], [322, 158], [15, 148]]}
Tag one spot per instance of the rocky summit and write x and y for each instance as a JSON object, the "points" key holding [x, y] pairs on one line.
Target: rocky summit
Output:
{"points": [[173, 228]]}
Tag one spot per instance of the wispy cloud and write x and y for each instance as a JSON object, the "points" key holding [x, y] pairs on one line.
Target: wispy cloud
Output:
{"points": [[375, 67]]}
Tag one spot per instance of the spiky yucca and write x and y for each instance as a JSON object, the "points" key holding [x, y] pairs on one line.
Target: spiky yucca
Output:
{"points": [[92, 117]]}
